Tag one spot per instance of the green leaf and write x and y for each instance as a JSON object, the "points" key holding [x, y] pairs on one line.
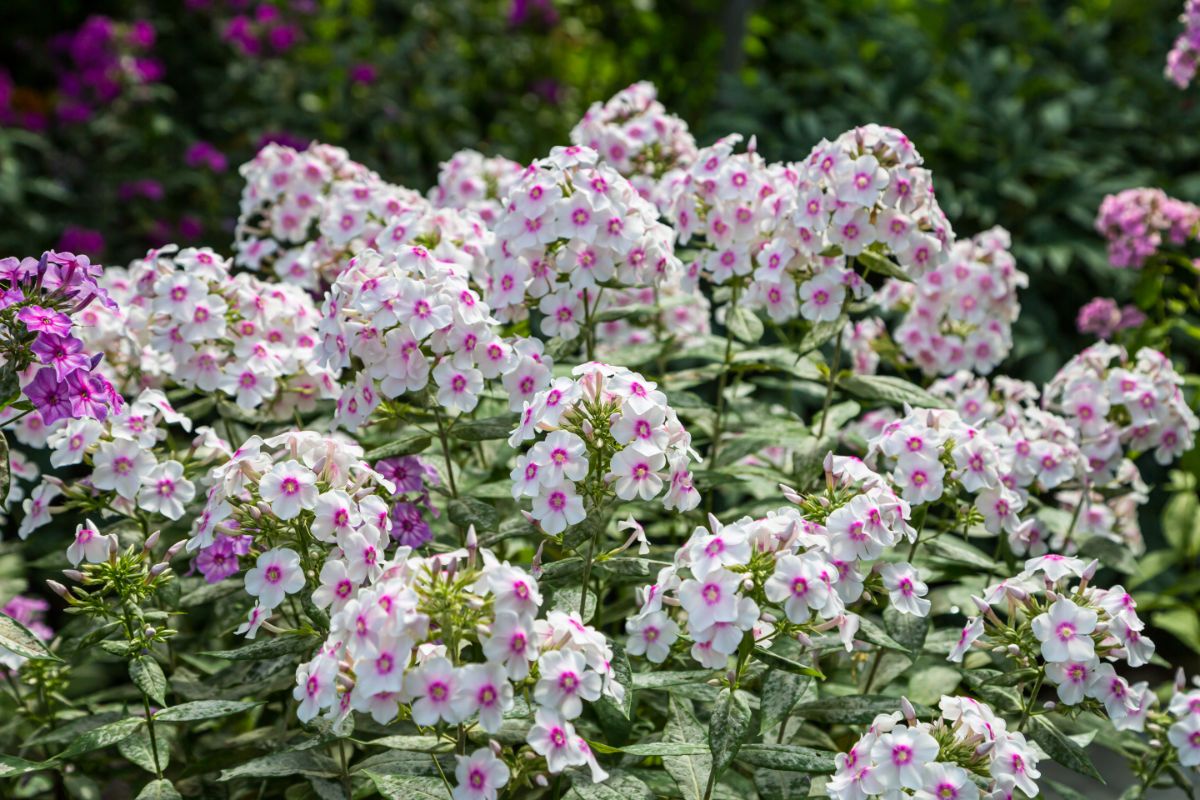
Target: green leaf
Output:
{"points": [[1061, 749], [876, 262], [667, 679], [467, 511], [622, 673], [148, 676], [690, 772], [159, 790], [907, 629], [1181, 622], [277, 765], [889, 389], [655, 748], [728, 727], [1181, 523], [868, 631], [950, 548], [11, 766], [787, 757], [402, 446], [620, 785], [853, 710], [285, 645], [786, 664], [781, 691], [744, 324], [205, 709], [774, 784], [408, 787], [104, 736], [480, 430], [16, 637], [1113, 555], [137, 748], [416, 744]]}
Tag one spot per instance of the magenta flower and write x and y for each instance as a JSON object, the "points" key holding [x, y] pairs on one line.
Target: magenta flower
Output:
{"points": [[50, 396], [409, 526], [45, 320], [64, 353]]}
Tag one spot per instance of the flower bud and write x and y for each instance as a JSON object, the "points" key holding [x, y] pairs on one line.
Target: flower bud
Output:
{"points": [[149, 632], [1089, 571], [907, 709], [1155, 743], [173, 550], [1049, 705], [791, 494], [114, 547], [74, 575], [151, 540], [159, 569], [496, 748], [59, 590], [541, 780]]}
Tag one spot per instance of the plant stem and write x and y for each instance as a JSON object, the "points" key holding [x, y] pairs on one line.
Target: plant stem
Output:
{"points": [[833, 370], [874, 669], [722, 381], [1074, 518], [1037, 687], [587, 574], [153, 736], [437, 413]]}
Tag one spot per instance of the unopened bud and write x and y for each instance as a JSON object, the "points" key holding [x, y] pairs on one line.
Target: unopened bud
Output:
{"points": [[114, 547], [74, 575], [1089, 571], [59, 589], [151, 540], [981, 604], [159, 569], [1180, 680], [985, 747], [173, 550], [1156, 743], [748, 583], [472, 539], [1049, 705], [496, 748], [791, 494], [1014, 650], [541, 780], [149, 633], [907, 709]]}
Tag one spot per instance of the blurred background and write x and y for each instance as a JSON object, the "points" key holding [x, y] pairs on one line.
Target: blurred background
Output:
{"points": [[124, 122]]}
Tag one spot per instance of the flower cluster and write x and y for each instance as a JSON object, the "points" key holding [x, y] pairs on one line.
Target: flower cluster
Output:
{"points": [[959, 315], [1036, 443], [127, 474], [901, 757], [40, 300], [789, 231], [1120, 405], [254, 341], [455, 638], [303, 212], [634, 133], [794, 572], [611, 431], [1074, 636], [571, 227], [1185, 54], [1102, 317], [299, 494], [1136, 221], [395, 320], [474, 182], [99, 63]]}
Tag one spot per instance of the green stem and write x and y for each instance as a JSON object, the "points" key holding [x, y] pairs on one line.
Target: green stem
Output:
{"points": [[833, 371], [722, 381], [153, 735], [587, 574], [1037, 687], [437, 412]]}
